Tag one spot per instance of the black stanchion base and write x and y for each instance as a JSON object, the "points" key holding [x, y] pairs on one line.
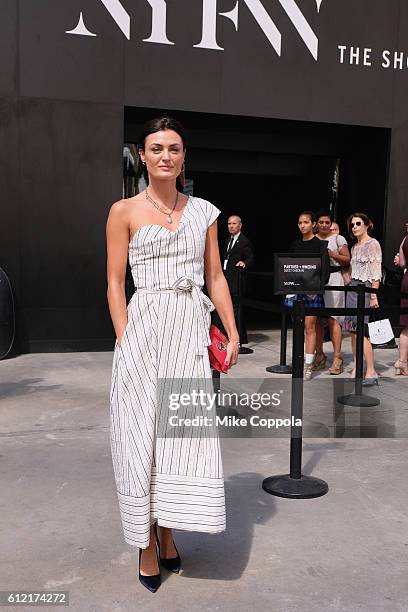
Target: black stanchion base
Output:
{"points": [[244, 350], [363, 401], [304, 487], [279, 369]]}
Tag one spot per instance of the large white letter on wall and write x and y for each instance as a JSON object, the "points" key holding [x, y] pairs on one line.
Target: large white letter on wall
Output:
{"points": [[209, 34], [299, 21], [120, 16], [268, 27], [159, 15], [117, 12]]}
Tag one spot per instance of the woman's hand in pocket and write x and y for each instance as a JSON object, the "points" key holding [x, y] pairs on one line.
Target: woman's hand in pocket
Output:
{"points": [[121, 337]]}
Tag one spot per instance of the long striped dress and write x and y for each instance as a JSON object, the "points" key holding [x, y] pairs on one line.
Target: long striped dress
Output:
{"points": [[172, 475]]}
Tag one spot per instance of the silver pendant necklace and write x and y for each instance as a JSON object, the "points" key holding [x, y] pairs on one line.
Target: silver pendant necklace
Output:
{"points": [[169, 217]]}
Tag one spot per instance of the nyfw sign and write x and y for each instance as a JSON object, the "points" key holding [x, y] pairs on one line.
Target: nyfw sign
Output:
{"points": [[210, 18]]}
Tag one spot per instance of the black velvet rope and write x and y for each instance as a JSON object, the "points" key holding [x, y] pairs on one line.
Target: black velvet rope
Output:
{"points": [[328, 312]]}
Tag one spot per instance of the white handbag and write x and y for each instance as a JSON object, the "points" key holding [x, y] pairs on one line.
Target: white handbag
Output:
{"points": [[380, 331]]}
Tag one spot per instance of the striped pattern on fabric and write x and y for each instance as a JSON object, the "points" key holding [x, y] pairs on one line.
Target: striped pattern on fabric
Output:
{"points": [[176, 480]]}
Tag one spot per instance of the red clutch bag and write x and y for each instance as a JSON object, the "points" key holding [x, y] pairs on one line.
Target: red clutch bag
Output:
{"points": [[217, 350]]}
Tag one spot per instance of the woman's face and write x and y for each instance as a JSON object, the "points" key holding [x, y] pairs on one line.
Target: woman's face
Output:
{"points": [[163, 154], [305, 224], [324, 224], [358, 227], [334, 228]]}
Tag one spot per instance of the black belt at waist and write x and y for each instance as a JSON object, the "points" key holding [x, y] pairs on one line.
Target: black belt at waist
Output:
{"points": [[335, 269]]}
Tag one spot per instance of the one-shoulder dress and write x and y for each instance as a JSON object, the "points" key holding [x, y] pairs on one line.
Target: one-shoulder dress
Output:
{"points": [[173, 478]]}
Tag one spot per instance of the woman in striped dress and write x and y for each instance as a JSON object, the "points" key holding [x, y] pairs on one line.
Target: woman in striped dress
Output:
{"points": [[166, 477]]}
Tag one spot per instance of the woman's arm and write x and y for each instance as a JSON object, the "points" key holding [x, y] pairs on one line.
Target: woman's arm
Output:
{"points": [[374, 297], [219, 292], [117, 242], [342, 256], [375, 257]]}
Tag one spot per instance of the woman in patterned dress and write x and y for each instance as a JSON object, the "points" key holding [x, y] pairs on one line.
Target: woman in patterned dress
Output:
{"points": [[164, 481], [366, 259]]}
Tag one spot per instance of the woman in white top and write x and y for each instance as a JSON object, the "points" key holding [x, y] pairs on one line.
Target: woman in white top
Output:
{"points": [[366, 259], [339, 256]]}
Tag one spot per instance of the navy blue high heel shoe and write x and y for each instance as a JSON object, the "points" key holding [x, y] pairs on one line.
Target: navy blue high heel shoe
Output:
{"points": [[370, 382], [172, 565], [153, 582]]}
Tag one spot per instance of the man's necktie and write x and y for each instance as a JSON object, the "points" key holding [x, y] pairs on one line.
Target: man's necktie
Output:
{"points": [[230, 246]]}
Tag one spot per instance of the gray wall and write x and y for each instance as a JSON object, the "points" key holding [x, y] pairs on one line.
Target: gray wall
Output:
{"points": [[248, 77]]}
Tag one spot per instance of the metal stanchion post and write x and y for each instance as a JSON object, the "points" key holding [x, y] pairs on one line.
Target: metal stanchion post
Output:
{"points": [[357, 398], [295, 485], [216, 376], [282, 367], [360, 341]]}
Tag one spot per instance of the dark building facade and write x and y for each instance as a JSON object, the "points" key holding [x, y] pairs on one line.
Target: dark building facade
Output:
{"points": [[273, 93]]}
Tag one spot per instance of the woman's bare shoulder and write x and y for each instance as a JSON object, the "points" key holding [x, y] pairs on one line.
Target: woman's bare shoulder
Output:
{"points": [[125, 206]]}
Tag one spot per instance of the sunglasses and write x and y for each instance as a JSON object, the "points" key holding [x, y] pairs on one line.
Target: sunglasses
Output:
{"points": [[356, 224]]}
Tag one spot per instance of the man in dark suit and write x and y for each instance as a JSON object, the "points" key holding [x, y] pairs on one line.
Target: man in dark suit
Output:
{"points": [[237, 253]]}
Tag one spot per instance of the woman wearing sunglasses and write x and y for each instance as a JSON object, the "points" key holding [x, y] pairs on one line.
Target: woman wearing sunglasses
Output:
{"points": [[366, 259]]}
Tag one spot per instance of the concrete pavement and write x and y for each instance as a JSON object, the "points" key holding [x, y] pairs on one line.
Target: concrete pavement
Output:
{"points": [[346, 551]]}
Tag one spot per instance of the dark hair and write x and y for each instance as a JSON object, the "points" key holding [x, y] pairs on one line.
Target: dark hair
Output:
{"points": [[324, 213], [158, 125], [366, 220], [309, 213], [151, 127]]}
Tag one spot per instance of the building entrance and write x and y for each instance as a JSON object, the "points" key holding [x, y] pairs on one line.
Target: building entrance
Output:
{"points": [[267, 171]]}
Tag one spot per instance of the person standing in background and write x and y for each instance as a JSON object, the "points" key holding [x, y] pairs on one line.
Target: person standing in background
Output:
{"points": [[401, 260], [309, 244], [335, 228], [366, 260], [339, 256], [237, 255]]}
